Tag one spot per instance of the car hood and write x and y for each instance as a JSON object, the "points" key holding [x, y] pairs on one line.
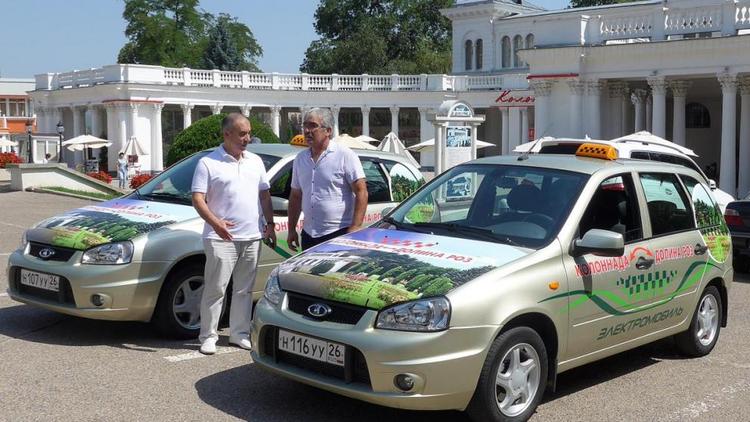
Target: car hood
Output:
{"points": [[111, 221], [378, 267]]}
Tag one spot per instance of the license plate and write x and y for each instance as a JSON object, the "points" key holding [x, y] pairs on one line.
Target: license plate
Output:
{"points": [[320, 350], [40, 280]]}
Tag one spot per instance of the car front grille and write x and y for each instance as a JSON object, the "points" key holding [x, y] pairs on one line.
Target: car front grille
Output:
{"points": [[341, 313], [64, 296], [354, 369], [56, 253]]}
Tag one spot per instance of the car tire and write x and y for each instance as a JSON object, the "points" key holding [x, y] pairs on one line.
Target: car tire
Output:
{"points": [[177, 312], [518, 358], [705, 326]]}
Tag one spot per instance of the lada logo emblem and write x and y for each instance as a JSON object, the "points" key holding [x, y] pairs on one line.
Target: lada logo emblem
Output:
{"points": [[319, 310], [46, 253]]}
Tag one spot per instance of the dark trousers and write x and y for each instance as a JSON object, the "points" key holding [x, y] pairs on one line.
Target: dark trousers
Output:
{"points": [[309, 241]]}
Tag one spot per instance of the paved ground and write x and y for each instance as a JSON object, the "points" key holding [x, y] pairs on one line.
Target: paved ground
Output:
{"points": [[64, 368]]}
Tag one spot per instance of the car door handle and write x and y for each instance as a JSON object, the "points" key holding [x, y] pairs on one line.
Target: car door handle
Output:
{"points": [[644, 263], [700, 250]]}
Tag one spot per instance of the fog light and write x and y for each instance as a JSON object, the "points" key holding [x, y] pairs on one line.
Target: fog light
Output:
{"points": [[97, 300], [404, 382]]}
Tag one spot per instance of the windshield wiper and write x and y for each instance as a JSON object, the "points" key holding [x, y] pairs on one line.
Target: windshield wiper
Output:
{"points": [[469, 231], [392, 221], [167, 197]]}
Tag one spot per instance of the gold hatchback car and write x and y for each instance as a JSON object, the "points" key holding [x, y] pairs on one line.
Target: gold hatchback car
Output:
{"points": [[478, 301]]}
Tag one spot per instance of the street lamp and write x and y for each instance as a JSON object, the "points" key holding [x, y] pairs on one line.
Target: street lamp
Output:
{"points": [[29, 129], [60, 131]]}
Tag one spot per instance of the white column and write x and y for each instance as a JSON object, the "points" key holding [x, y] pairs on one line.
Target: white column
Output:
{"points": [[96, 120], [594, 106], [187, 115], [157, 147], [659, 95], [425, 127], [649, 114], [335, 111], [394, 120], [625, 117], [505, 137], [365, 120], [727, 169], [276, 119], [122, 122], [524, 125], [514, 128], [216, 108], [133, 121], [744, 168], [111, 111], [77, 121], [679, 95], [638, 97], [246, 110], [616, 91], [542, 90], [576, 107]]}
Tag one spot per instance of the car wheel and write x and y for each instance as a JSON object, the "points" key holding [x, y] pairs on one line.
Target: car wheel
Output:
{"points": [[705, 326], [513, 377], [177, 312]]}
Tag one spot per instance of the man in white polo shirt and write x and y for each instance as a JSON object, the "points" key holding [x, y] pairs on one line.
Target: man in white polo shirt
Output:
{"points": [[328, 185], [229, 188]]}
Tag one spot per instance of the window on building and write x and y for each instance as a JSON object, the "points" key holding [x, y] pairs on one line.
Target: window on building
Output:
{"points": [[479, 55], [3, 109], [468, 50], [697, 116], [505, 47], [517, 46], [530, 41]]}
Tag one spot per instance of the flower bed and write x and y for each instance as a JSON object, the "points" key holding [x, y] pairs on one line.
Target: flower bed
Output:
{"points": [[8, 158], [138, 180], [100, 175]]}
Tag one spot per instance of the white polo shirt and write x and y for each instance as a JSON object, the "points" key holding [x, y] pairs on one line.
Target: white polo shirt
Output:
{"points": [[327, 196], [232, 191]]}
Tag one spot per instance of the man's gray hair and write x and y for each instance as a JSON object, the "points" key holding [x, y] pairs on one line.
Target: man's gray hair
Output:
{"points": [[325, 115], [228, 122]]}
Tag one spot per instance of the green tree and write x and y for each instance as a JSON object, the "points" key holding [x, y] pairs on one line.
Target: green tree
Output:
{"points": [[231, 45], [206, 133], [588, 3], [380, 36]]}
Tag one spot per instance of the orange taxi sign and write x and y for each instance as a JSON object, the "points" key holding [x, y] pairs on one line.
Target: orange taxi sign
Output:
{"points": [[299, 141], [605, 152]]}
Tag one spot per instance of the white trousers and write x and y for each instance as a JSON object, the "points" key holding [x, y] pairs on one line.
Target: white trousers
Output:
{"points": [[237, 260]]}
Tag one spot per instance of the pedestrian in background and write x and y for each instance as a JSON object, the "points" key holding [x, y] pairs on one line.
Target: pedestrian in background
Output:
{"points": [[230, 189], [328, 185], [122, 171]]}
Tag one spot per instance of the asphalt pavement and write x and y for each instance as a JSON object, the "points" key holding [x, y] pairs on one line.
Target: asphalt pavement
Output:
{"points": [[56, 367]]}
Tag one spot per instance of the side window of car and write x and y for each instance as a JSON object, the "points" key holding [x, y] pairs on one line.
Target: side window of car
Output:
{"points": [[281, 184], [614, 207], [377, 184], [707, 213], [668, 207], [403, 181]]}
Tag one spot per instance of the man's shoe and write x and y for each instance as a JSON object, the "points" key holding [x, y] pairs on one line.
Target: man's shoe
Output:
{"points": [[241, 343], [208, 347]]}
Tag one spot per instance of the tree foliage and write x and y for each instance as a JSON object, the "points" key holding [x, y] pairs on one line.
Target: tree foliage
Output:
{"points": [[589, 3], [206, 133], [174, 33], [380, 36]]}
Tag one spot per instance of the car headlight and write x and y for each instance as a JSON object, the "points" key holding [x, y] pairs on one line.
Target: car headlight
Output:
{"points": [[430, 314], [109, 254], [273, 292], [24, 240]]}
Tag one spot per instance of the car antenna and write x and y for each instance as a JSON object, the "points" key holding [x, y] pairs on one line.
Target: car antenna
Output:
{"points": [[525, 155]]}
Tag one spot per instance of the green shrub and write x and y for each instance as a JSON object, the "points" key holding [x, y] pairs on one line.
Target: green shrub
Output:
{"points": [[206, 133]]}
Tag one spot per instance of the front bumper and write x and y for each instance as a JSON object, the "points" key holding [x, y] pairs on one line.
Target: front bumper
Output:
{"points": [[446, 364], [130, 291]]}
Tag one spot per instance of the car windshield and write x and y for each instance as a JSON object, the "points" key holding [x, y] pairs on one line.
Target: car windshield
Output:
{"points": [[516, 205], [173, 184]]}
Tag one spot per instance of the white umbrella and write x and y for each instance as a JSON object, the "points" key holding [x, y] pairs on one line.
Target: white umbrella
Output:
{"points": [[650, 138], [345, 139], [7, 143], [391, 143], [429, 145], [134, 147], [85, 141], [368, 139]]}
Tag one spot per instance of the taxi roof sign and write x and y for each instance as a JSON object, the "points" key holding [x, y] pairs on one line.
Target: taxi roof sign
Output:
{"points": [[299, 141], [604, 152]]}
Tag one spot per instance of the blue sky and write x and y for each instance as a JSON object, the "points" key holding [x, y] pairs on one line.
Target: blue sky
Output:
{"points": [[62, 35]]}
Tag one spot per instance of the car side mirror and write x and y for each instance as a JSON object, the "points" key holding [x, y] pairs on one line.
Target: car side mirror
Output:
{"points": [[599, 242], [280, 205], [712, 184]]}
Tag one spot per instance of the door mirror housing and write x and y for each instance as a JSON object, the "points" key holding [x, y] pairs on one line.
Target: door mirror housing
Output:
{"points": [[599, 242], [280, 205], [712, 184]]}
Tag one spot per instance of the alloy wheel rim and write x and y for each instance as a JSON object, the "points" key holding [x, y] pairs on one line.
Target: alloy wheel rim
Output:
{"points": [[708, 320], [517, 379], [186, 304]]}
